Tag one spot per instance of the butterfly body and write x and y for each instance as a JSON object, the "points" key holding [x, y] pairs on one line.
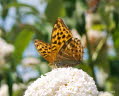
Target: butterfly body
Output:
{"points": [[66, 63], [64, 50]]}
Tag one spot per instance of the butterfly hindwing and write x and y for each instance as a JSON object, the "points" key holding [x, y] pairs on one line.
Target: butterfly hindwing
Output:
{"points": [[75, 49], [70, 54]]}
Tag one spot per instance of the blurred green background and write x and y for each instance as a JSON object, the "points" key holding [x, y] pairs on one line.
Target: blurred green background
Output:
{"points": [[95, 22]]}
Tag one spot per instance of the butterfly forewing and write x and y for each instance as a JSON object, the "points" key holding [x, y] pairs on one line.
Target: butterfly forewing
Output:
{"points": [[44, 49], [60, 35]]}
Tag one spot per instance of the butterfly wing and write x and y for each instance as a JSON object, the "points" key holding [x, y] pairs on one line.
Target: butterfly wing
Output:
{"points": [[60, 35], [74, 49], [44, 49], [70, 54]]}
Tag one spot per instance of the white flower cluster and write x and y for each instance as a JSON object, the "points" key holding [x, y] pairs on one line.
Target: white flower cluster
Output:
{"points": [[63, 82], [30, 61], [5, 50], [105, 94], [4, 90], [16, 87]]}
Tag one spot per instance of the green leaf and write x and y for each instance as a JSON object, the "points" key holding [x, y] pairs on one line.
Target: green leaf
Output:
{"points": [[21, 42], [55, 9], [5, 11], [9, 81], [98, 27], [70, 7], [114, 68], [85, 68], [112, 85], [115, 36]]}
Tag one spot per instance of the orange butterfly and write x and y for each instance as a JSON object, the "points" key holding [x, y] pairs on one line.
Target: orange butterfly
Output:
{"points": [[64, 50]]}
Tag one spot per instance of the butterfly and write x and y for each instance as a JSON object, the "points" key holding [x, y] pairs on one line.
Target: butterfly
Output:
{"points": [[64, 50]]}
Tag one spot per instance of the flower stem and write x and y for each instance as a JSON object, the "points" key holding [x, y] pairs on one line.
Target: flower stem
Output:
{"points": [[91, 63]]}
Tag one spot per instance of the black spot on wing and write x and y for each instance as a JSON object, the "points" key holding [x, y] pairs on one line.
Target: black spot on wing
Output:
{"points": [[63, 36], [61, 33], [64, 30], [59, 43], [58, 25], [54, 29], [59, 38], [57, 33], [40, 49], [55, 42]]}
